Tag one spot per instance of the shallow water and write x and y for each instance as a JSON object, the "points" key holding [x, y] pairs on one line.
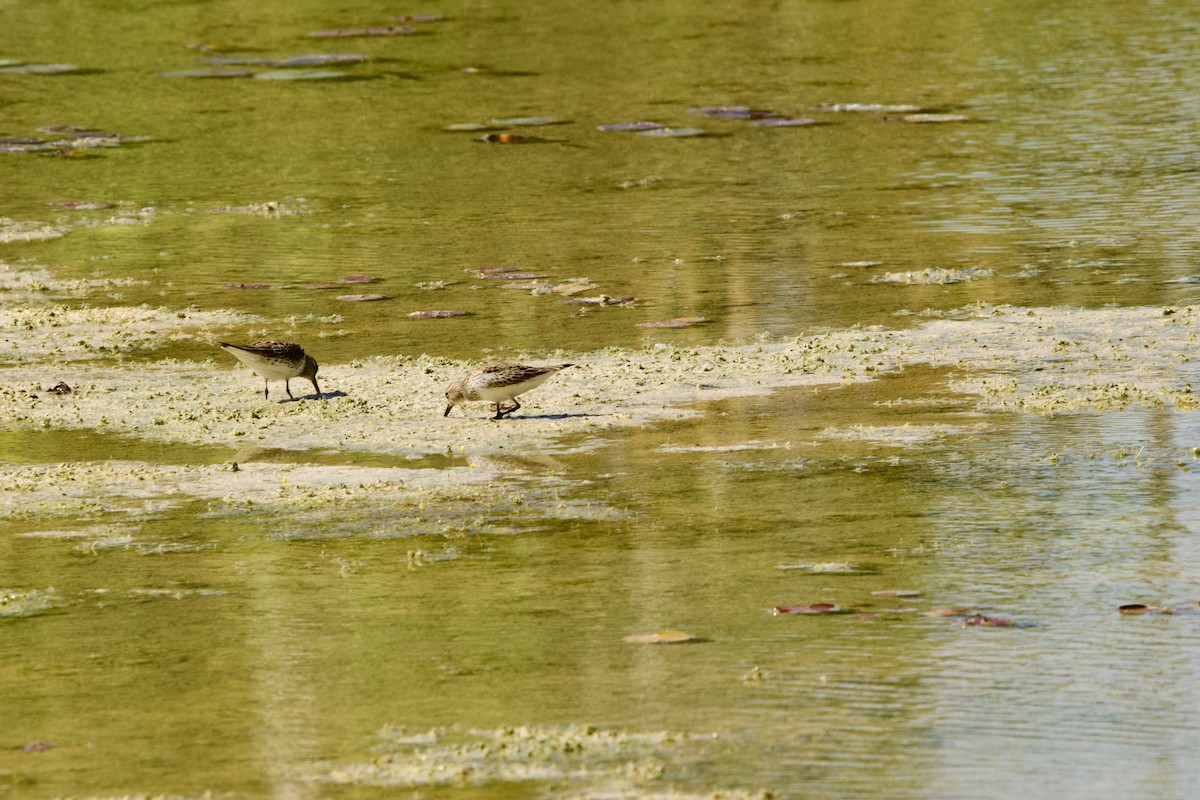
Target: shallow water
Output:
{"points": [[177, 643]]}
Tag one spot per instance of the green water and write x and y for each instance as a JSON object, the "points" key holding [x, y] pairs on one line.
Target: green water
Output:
{"points": [[233, 655]]}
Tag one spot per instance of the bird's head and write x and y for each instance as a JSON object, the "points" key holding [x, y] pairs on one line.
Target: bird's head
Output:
{"points": [[310, 372], [454, 396]]}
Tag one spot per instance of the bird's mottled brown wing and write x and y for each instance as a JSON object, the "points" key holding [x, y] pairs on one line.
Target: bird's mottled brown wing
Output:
{"points": [[287, 351]]}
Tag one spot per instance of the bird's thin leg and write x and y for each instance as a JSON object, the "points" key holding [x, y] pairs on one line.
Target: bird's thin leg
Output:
{"points": [[266, 389], [507, 411], [289, 389]]}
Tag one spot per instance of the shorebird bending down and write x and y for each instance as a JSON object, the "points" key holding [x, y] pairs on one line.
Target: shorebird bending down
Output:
{"points": [[498, 382], [276, 361]]}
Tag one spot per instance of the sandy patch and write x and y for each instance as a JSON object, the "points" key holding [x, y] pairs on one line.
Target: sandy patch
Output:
{"points": [[1043, 360], [572, 761], [1033, 360], [55, 334], [108, 502]]}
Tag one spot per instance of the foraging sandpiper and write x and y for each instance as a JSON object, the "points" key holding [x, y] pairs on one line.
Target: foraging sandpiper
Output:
{"points": [[498, 382], [276, 361]]}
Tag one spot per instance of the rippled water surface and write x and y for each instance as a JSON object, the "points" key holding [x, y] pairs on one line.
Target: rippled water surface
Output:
{"points": [[175, 650]]}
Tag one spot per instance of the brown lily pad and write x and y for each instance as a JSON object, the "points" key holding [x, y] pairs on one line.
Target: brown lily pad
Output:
{"points": [[359, 298], [81, 205], [508, 138], [662, 637], [1140, 608], [602, 300], [631, 126], [511, 276], [815, 608]]}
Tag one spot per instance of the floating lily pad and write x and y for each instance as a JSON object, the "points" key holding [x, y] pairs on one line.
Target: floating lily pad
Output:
{"points": [[678, 322], [926, 118], [602, 300], [631, 126], [870, 108], [896, 593], [211, 72], [437, 314], [320, 59], [1139, 608], [418, 18], [359, 298], [511, 276], [301, 75], [980, 621], [508, 138], [815, 608], [527, 121], [673, 133], [662, 637], [380, 30], [783, 122], [81, 205], [469, 127], [731, 112], [359, 279], [40, 69]]}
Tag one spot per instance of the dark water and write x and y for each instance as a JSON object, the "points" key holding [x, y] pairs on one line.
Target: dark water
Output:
{"points": [[232, 654]]}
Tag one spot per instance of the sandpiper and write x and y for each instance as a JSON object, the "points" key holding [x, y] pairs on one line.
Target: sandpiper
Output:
{"points": [[276, 361], [498, 382]]}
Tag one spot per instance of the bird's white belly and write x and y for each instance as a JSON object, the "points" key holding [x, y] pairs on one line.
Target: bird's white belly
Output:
{"points": [[494, 394], [270, 370], [275, 372]]}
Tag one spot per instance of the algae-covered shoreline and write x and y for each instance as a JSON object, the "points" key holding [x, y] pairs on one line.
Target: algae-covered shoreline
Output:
{"points": [[1044, 361], [1009, 358]]}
